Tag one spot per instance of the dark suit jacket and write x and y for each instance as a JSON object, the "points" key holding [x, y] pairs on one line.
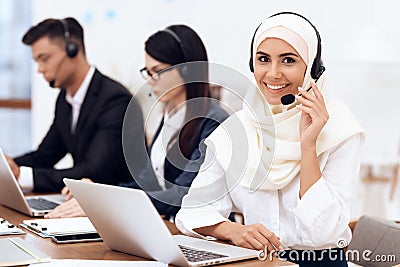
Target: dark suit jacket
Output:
{"points": [[96, 145], [178, 180]]}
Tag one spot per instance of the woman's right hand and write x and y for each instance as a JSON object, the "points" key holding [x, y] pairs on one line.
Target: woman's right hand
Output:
{"points": [[255, 236]]}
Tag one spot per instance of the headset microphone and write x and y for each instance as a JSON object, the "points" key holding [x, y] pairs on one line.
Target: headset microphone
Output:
{"points": [[289, 98], [52, 83]]}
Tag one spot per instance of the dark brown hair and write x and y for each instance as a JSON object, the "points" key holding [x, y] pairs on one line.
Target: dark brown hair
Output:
{"points": [[163, 47], [54, 29]]}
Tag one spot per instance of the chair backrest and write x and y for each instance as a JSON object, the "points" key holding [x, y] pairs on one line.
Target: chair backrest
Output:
{"points": [[376, 242]]}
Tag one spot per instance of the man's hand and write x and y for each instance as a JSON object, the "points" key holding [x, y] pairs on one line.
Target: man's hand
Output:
{"points": [[68, 209], [14, 166]]}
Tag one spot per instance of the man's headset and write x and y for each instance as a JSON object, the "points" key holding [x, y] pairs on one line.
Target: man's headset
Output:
{"points": [[182, 70], [317, 67], [70, 47]]}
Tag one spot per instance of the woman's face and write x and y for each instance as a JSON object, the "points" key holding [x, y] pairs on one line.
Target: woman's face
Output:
{"points": [[279, 70], [166, 85]]}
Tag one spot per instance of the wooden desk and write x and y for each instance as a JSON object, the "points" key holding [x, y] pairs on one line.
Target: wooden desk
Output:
{"points": [[94, 250]]}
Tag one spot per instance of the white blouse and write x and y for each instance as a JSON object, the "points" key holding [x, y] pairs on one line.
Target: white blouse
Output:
{"points": [[171, 125], [318, 220]]}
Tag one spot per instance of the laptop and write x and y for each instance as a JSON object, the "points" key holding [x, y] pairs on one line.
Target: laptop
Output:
{"points": [[12, 196], [128, 222]]}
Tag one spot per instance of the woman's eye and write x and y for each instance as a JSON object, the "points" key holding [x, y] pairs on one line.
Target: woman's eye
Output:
{"points": [[263, 59], [288, 60]]}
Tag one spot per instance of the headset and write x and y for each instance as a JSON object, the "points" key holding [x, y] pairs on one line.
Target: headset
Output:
{"points": [[317, 67], [183, 70], [71, 47]]}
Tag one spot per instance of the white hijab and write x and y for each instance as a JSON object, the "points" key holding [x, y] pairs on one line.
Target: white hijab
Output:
{"points": [[261, 150]]}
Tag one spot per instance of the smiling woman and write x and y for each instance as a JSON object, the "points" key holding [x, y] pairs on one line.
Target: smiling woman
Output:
{"points": [[289, 169], [279, 69]]}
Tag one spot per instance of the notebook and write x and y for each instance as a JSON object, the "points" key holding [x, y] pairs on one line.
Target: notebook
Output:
{"points": [[128, 222], [15, 251], [11, 194], [59, 226]]}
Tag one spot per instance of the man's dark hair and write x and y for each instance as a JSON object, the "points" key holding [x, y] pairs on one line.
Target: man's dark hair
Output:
{"points": [[54, 29]]}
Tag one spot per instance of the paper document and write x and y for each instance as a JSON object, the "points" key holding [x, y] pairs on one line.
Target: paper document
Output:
{"points": [[7, 228], [99, 263], [59, 226]]}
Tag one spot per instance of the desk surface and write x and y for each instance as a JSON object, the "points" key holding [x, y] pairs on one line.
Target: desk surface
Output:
{"points": [[93, 250]]}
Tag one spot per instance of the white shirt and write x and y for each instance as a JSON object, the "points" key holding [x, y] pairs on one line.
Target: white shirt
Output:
{"points": [[26, 173], [76, 101], [316, 221], [161, 144]]}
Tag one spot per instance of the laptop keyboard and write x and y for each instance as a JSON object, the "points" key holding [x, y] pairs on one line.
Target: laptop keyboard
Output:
{"points": [[41, 204], [195, 255]]}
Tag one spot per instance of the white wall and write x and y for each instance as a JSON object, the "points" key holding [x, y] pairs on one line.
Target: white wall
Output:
{"points": [[116, 30]]}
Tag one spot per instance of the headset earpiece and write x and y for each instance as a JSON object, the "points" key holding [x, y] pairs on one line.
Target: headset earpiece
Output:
{"points": [[71, 48], [317, 70]]}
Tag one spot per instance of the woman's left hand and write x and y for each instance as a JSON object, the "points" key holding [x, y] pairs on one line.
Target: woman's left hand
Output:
{"points": [[313, 117], [70, 208]]}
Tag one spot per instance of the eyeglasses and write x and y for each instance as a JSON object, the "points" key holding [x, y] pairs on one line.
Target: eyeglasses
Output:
{"points": [[146, 74]]}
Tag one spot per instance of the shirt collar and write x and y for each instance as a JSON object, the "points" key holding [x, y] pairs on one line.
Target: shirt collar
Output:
{"points": [[82, 90], [176, 119]]}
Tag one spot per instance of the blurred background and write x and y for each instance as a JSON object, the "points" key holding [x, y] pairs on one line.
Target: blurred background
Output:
{"points": [[360, 47]]}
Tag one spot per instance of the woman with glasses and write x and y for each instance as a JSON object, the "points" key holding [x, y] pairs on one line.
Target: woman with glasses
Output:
{"points": [[176, 68], [177, 71]]}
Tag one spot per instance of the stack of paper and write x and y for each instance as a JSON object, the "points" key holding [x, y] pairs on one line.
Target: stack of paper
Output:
{"points": [[59, 226]]}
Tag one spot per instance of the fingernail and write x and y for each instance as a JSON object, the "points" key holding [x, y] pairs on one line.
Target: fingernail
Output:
{"points": [[300, 89], [280, 248]]}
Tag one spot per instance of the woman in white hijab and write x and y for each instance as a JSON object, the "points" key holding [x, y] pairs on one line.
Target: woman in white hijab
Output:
{"points": [[289, 169]]}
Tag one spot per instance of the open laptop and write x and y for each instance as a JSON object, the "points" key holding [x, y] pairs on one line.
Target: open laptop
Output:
{"points": [[12, 196], [127, 221]]}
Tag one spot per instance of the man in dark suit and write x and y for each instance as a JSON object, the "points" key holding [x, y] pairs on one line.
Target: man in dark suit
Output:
{"points": [[88, 117]]}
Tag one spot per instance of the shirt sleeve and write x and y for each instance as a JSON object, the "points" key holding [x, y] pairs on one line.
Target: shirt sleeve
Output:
{"points": [[323, 212], [208, 201], [26, 178]]}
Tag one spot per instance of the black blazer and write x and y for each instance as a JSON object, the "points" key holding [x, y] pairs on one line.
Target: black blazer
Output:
{"points": [[178, 180], [96, 145]]}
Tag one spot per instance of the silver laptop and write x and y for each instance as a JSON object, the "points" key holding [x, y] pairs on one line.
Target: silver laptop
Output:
{"points": [[127, 221], [12, 196]]}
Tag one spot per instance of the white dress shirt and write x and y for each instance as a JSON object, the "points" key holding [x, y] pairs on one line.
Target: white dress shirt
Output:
{"points": [[171, 125], [318, 220], [26, 173]]}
